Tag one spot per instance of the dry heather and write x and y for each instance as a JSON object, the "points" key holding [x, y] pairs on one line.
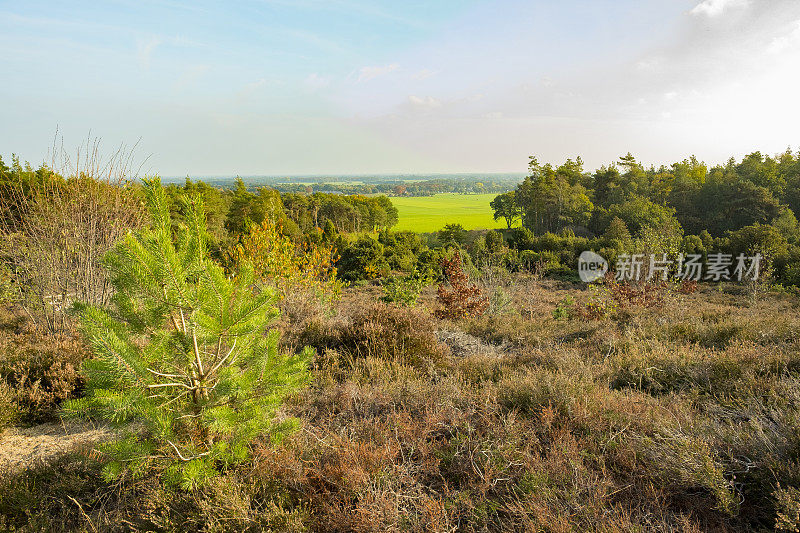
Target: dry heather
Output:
{"points": [[38, 371], [680, 416]]}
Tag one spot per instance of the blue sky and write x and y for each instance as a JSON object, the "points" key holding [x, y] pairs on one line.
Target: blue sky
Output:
{"points": [[350, 86]]}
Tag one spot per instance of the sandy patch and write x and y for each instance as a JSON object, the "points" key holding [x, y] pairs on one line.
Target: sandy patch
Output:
{"points": [[23, 447]]}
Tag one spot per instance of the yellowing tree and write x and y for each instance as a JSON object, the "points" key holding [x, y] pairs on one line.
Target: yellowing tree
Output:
{"points": [[279, 260]]}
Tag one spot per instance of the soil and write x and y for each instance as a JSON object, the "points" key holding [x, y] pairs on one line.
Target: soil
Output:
{"points": [[22, 447]]}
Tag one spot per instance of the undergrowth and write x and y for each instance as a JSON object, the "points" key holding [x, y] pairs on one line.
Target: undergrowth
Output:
{"points": [[653, 418]]}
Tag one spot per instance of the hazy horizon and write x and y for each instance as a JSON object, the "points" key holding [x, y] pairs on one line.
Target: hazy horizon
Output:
{"points": [[380, 175]]}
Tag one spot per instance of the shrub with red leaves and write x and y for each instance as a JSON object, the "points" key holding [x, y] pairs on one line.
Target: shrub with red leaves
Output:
{"points": [[687, 286], [625, 294], [462, 299]]}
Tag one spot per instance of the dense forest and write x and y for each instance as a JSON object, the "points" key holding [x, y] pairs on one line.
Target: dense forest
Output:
{"points": [[747, 206], [759, 189]]}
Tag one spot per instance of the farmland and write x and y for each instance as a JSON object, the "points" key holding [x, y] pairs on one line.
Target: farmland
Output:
{"points": [[430, 213]]}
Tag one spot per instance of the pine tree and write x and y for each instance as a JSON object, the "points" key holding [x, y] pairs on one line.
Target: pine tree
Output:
{"points": [[186, 365]]}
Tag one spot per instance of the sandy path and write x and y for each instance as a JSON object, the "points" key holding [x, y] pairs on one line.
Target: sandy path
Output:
{"points": [[22, 447]]}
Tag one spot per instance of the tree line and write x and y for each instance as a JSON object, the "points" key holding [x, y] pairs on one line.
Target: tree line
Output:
{"points": [[371, 186], [230, 210], [742, 206], [758, 189]]}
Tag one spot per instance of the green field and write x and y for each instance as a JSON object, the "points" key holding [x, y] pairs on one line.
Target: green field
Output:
{"points": [[426, 214]]}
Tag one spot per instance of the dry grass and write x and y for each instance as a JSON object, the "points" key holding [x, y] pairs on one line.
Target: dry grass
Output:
{"points": [[681, 417]]}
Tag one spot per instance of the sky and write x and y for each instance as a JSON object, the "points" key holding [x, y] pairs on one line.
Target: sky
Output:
{"points": [[282, 87]]}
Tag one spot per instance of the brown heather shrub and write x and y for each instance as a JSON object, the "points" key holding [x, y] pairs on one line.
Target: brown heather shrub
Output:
{"points": [[646, 294], [400, 334], [70, 495], [304, 321], [687, 286], [788, 504], [462, 299], [39, 371], [432, 458], [8, 406], [514, 329], [447, 456]]}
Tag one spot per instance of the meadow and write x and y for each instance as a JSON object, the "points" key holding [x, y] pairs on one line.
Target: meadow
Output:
{"points": [[426, 214]]}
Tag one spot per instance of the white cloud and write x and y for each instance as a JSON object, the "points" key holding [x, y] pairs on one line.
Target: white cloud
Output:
{"points": [[648, 64], [145, 49], [314, 82], [428, 102], [370, 73], [779, 44], [252, 89], [713, 8]]}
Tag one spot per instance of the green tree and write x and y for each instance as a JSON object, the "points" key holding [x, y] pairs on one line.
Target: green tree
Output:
{"points": [[184, 362], [549, 201], [729, 205], [639, 213], [392, 216], [452, 235], [635, 180], [606, 181], [617, 233], [362, 259], [329, 234], [762, 171], [505, 206], [758, 238], [247, 207], [494, 241]]}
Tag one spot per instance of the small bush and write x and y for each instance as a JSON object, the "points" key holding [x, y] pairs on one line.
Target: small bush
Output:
{"points": [[687, 286], [403, 290], [40, 371], [686, 463], [462, 299], [395, 334], [564, 308], [362, 259], [625, 294], [600, 305], [64, 226], [500, 302], [279, 261]]}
